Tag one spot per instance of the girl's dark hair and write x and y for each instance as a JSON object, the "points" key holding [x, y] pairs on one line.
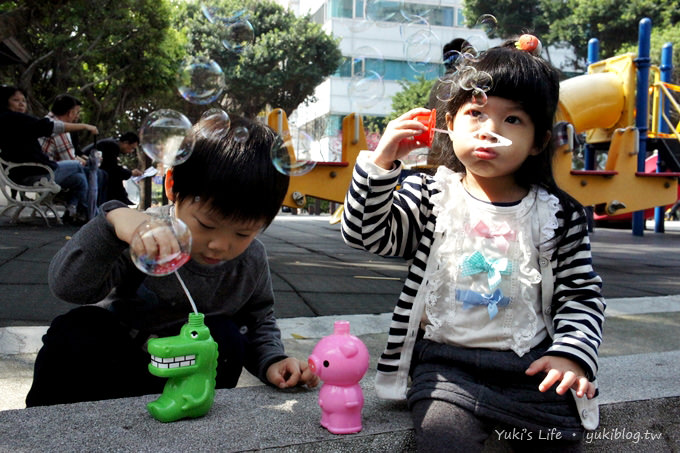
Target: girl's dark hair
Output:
{"points": [[532, 82], [6, 92], [235, 175]]}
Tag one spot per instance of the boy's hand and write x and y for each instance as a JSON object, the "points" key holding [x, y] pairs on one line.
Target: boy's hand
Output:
{"points": [[291, 372], [562, 369], [394, 143], [125, 221]]}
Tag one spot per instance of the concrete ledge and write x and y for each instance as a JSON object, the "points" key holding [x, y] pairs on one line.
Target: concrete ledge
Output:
{"points": [[265, 419]]}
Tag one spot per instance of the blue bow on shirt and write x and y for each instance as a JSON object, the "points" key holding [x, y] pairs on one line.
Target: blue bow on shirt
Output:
{"points": [[476, 263], [492, 301]]}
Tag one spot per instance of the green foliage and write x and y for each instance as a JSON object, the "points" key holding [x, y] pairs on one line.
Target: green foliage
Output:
{"points": [[413, 94], [115, 56], [289, 58], [614, 22]]}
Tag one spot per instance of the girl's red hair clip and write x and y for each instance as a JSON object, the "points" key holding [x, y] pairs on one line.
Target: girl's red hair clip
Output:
{"points": [[529, 43]]}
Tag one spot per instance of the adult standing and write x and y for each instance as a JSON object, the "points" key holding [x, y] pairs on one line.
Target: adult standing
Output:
{"points": [[19, 133]]}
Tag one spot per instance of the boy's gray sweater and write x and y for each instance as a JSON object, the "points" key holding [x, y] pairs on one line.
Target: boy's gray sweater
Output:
{"points": [[94, 267]]}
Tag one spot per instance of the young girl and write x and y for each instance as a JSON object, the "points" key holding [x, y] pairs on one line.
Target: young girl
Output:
{"points": [[501, 313]]}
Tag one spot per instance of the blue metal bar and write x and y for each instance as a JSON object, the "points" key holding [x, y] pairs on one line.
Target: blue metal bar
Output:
{"points": [[641, 96], [666, 70], [593, 57]]}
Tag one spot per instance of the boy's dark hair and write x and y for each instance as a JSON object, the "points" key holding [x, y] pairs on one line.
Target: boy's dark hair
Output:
{"points": [[6, 92], [534, 83], [129, 137], [64, 103], [236, 176]]}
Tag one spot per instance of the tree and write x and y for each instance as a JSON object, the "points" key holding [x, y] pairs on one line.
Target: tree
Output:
{"points": [[289, 57], [413, 94], [115, 56]]}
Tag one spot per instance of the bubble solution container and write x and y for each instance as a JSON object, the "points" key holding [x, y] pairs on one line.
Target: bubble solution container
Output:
{"points": [[340, 360], [189, 361], [430, 121]]}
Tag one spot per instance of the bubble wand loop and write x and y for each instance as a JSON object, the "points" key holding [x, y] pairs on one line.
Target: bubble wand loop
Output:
{"points": [[502, 141], [186, 291]]}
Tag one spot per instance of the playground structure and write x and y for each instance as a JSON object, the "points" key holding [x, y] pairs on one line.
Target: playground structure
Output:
{"points": [[610, 105], [327, 180]]}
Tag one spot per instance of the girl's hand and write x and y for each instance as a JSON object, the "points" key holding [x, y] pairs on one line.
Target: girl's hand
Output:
{"points": [[562, 369], [397, 140], [291, 372]]}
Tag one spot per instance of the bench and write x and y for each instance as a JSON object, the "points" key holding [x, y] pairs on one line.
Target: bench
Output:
{"points": [[35, 194]]}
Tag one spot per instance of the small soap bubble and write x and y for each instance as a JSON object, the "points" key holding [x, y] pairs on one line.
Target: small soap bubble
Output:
{"points": [[487, 23], [241, 134], [292, 153], [446, 89], [150, 241], [366, 89], [200, 80], [162, 137], [216, 114], [476, 45], [237, 33], [384, 12], [208, 12]]}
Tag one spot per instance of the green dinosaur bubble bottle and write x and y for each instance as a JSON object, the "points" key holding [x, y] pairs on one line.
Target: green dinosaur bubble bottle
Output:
{"points": [[189, 361]]}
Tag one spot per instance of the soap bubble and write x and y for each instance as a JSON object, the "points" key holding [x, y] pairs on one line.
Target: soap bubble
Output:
{"points": [[160, 246], [162, 134], [421, 49], [208, 12], [241, 134], [216, 114], [200, 80], [487, 23], [368, 58], [237, 32], [292, 152], [384, 12], [366, 89]]}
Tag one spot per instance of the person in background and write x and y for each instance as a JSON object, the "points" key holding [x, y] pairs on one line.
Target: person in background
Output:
{"points": [[61, 147], [19, 134], [111, 149]]}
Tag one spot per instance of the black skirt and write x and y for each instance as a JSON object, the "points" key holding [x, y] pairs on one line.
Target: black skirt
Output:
{"points": [[493, 386]]}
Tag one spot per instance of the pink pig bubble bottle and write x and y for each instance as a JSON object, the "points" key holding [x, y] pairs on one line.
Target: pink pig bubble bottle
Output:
{"points": [[340, 360]]}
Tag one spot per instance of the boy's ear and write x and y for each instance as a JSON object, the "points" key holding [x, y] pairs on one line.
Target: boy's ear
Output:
{"points": [[169, 182]]}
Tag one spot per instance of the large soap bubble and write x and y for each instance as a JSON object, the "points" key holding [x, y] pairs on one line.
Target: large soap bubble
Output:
{"points": [[200, 80], [422, 48], [384, 12], [160, 246], [162, 137], [292, 152]]}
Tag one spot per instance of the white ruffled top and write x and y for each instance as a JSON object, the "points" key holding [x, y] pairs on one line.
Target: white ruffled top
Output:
{"points": [[483, 252]]}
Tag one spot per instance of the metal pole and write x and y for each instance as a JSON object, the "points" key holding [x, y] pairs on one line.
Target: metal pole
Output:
{"points": [[641, 95], [593, 57], [666, 73]]}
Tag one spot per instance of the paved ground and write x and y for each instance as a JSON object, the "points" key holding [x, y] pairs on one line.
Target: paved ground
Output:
{"points": [[318, 278]]}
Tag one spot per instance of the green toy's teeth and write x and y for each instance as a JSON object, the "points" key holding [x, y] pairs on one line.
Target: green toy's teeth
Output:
{"points": [[173, 362]]}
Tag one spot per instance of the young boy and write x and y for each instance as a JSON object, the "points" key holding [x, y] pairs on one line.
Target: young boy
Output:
{"points": [[227, 192]]}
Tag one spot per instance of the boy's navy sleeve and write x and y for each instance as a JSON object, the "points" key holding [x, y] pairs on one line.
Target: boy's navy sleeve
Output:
{"points": [[84, 269], [265, 346]]}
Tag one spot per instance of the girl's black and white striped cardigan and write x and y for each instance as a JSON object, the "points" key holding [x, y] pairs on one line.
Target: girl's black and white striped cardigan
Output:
{"points": [[392, 222]]}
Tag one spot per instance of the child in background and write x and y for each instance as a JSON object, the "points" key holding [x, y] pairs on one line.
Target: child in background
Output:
{"points": [[501, 314], [227, 192]]}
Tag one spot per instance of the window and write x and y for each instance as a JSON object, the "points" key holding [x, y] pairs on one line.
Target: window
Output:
{"points": [[342, 8]]}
